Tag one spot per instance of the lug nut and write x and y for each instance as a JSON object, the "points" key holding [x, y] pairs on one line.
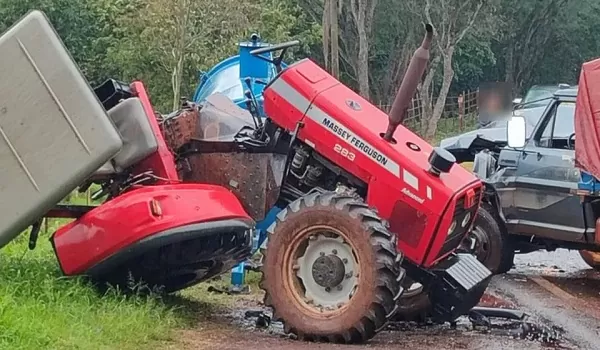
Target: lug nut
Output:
{"points": [[349, 274], [345, 261], [322, 253], [334, 251], [327, 289], [339, 287]]}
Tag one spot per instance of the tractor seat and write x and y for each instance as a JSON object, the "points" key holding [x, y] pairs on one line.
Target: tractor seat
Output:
{"points": [[139, 141]]}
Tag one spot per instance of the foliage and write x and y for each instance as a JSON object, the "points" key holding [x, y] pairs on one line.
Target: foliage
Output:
{"points": [[39, 309]]}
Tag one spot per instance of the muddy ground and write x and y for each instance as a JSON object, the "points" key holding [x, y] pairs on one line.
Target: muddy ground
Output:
{"points": [[558, 292]]}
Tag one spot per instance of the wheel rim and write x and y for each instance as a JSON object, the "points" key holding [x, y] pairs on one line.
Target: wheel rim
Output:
{"points": [[322, 270], [478, 244]]}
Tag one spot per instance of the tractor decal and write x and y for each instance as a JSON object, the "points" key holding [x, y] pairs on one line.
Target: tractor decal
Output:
{"points": [[301, 103]]}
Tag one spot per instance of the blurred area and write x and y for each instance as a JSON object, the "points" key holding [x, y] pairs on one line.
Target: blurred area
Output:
{"points": [[494, 101]]}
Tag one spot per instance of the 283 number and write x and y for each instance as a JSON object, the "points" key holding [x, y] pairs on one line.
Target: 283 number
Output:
{"points": [[344, 152]]}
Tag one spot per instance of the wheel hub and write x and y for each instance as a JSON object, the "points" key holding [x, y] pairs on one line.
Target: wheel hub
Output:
{"points": [[328, 271], [478, 244]]}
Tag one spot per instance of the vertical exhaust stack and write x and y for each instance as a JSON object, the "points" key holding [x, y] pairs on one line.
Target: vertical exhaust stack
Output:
{"points": [[413, 75]]}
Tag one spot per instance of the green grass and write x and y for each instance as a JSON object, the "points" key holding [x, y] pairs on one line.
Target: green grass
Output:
{"points": [[40, 309]]}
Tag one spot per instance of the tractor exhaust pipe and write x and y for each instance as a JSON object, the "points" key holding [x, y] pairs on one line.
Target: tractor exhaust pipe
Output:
{"points": [[407, 90]]}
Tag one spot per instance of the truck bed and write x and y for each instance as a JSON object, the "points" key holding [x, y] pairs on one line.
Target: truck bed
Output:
{"points": [[54, 133]]}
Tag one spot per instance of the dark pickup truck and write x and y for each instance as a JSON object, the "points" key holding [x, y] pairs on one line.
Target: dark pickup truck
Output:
{"points": [[533, 199]]}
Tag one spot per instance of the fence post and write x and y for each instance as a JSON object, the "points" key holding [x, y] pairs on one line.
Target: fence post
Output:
{"points": [[461, 110]]}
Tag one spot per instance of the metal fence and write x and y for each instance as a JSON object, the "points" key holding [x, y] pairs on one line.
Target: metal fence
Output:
{"points": [[459, 115]]}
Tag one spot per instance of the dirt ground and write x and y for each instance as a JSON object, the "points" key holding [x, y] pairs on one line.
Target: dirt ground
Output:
{"points": [[558, 292]]}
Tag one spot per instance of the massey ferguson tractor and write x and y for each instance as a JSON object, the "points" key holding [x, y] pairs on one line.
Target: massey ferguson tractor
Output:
{"points": [[369, 208]]}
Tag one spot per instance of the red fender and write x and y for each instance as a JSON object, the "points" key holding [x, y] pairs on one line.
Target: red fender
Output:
{"points": [[138, 214]]}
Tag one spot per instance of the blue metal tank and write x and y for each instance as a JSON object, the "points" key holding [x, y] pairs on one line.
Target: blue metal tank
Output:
{"points": [[228, 76]]}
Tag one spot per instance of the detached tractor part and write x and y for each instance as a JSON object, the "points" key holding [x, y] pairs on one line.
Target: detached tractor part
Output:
{"points": [[58, 135], [331, 270]]}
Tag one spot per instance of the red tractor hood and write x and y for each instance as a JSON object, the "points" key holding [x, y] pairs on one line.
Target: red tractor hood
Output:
{"points": [[587, 119]]}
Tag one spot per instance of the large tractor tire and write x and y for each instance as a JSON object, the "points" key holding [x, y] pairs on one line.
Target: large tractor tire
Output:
{"points": [[331, 270], [489, 241], [591, 258]]}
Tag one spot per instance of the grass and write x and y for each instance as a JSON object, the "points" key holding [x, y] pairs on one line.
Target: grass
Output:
{"points": [[41, 309]]}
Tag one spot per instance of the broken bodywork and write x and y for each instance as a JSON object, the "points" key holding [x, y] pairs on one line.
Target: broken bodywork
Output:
{"points": [[59, 135], [541, 193]]}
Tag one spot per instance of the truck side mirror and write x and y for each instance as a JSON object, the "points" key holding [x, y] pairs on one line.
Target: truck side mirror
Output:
{"points": [[516, 131]]}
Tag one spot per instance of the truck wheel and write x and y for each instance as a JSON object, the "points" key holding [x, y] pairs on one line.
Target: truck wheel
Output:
{"points": [[591, 258], [331, 270], [489, 241]]}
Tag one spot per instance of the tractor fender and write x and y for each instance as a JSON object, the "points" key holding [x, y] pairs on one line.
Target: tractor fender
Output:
{"points": [[139, 214]]}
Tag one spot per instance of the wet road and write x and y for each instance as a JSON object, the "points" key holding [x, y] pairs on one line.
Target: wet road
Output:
{"points": [[557, 291]]}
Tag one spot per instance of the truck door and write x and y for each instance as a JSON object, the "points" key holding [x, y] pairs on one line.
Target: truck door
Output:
{"points": [[546, 179]]}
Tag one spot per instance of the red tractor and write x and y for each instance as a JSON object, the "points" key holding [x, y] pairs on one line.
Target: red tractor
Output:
{"points": [[370, 208]]}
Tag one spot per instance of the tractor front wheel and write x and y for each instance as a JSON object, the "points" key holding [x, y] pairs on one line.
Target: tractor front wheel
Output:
{"points": [[331, 270]]}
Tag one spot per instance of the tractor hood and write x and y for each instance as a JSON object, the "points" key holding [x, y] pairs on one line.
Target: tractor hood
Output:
{"points": [[493, 135], [587, 119]]}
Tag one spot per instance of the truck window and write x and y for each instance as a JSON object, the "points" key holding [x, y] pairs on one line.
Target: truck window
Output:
{"points": [[556, 129]]}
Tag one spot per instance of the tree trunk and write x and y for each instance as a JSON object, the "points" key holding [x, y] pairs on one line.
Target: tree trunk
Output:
{"points": [[509, 72], [363, 62], [426, 95], [326, 32], [335, 33], [440, 103], [179, 50]]}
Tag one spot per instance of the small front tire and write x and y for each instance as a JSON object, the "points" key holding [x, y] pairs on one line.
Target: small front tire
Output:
{"points": [[490, 242]]}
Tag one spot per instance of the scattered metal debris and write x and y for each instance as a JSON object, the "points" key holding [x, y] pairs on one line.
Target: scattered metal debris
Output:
{"points": [[481, 319], [262, 320]]}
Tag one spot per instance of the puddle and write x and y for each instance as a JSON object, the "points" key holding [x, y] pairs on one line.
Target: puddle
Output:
{"points": [[558, 263]]}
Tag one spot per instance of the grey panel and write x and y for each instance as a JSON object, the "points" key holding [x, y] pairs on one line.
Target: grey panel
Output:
{"points": [[54, 133], [135, 129]]}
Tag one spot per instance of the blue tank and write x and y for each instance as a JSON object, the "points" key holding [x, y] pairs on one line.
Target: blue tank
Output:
{"points": [[228, 76]]}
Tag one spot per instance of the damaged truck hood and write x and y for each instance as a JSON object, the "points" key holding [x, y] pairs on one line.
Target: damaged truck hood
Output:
{"points": [[492, 136]]}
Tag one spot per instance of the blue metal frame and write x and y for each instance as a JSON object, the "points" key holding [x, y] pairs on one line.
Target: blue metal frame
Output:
{"points": [[228, 77]]}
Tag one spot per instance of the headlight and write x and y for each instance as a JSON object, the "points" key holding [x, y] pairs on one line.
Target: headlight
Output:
{"points": [[452, 227], [466, 219]]}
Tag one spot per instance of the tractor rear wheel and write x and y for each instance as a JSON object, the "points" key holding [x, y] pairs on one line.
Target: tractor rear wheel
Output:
{"points": [[591, 258], [331, 270]]}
